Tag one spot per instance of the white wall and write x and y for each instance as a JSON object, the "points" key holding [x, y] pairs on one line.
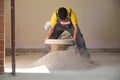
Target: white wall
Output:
{"points": [[99, 21]]}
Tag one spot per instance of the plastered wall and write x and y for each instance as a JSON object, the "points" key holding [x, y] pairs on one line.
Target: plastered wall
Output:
{"points": [[99, 21]]}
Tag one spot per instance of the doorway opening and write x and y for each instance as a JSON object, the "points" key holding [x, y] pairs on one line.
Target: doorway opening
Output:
{"points": [[21, 61]]}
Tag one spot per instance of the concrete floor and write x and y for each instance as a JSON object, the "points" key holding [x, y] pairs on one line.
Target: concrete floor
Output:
{"points": [[64, 66]]}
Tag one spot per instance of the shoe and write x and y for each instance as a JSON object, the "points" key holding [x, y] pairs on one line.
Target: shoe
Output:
{"points": [[91, 61], [86, 56]]}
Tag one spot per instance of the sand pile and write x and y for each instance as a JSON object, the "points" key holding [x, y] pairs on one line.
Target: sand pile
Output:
{"points": [[67, 60]]}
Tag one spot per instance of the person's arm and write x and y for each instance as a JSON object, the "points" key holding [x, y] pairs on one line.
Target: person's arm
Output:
{"points": [[75, 32], [75, 25], [50, 31], [52, 24]]}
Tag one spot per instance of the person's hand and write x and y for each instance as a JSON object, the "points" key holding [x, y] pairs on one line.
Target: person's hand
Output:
{"points": [[47, 37], [74, 41], [74, 38]]}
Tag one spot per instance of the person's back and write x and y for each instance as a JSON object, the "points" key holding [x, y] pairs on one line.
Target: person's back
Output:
{"points": [[67, 13]]}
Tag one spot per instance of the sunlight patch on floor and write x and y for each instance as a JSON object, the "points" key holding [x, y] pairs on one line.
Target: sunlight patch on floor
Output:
{"points": [[39, 69]]}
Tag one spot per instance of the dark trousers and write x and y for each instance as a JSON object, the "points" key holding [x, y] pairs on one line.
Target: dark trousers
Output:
{"points": [[80, 42]]}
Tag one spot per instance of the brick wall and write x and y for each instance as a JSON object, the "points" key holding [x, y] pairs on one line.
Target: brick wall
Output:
{"points": [[2, 36]]}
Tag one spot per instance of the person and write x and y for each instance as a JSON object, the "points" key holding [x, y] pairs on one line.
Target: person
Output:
{"points": [[64, 18]]}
